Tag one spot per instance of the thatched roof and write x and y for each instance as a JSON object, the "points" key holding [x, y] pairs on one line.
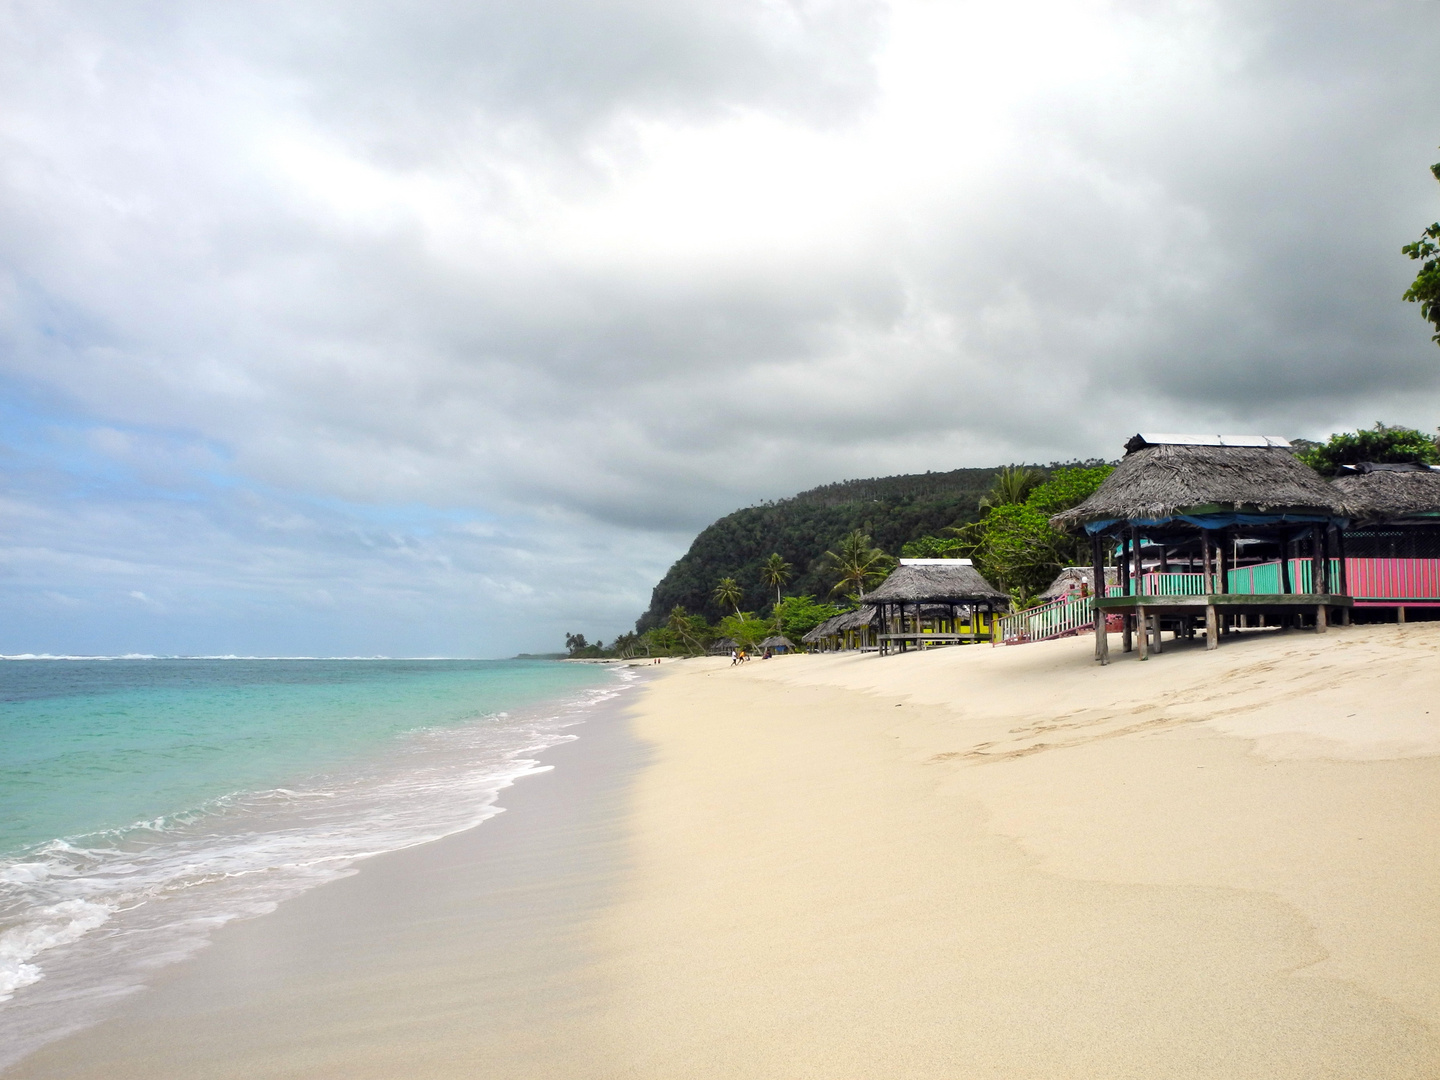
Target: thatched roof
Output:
{"points": [[777, 641], [840, 624], [1156, 482], [940, 581], [1072, 577], [1390, 492]]}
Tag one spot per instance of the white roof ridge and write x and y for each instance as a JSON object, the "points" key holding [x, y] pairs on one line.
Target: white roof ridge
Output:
{"points": [[1168, 439]]}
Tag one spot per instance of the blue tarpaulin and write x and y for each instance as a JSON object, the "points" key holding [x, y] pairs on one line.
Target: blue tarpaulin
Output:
{"points": [[1220, 521]]}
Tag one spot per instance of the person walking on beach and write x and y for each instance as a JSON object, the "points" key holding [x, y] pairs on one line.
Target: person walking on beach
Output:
{"points": [[734, 657]]}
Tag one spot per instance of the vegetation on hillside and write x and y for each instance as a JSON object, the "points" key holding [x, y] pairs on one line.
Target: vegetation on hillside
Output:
{"points": [[891, 510], [1013, 545]]}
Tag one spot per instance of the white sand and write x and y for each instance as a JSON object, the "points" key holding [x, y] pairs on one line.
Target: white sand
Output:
{"points": [[968, 863], [1010, 862]]}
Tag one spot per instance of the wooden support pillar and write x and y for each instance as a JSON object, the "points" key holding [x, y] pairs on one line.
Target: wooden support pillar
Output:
{"points": [[1344, 570], [1399, 614], [1155, 626], [1285, 565], [1317, 562], [1209, 572], [1143, 638], [1212, 628], [1320, 618], [1097, 592]]}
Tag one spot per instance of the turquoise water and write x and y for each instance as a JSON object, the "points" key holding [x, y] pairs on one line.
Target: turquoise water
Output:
{"points": [[145, 803], [89, 745]]}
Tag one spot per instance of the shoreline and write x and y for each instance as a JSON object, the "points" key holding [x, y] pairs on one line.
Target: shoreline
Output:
{"points": [[965, 862], [505, 894]]}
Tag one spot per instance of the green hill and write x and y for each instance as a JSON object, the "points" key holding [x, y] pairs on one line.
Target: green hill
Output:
{"points": [[892, 509]]}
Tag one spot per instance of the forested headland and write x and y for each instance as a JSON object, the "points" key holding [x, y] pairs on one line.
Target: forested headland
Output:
{"points": [[892, 511]]}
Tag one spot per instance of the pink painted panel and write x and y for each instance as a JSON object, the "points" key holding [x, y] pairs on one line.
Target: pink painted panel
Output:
{"points": [[1393, 579]]}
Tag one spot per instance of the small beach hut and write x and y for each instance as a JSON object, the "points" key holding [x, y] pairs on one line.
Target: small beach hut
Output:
{"points": [[848, 630], [777, 643], [1074, 581], [724, 647], [823, 636], [1219, 527], [1392, 550], [934, 592]]}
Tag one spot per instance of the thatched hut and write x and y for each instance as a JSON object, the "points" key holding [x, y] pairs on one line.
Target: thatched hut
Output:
{"points": [[848, 630], [1393, 548], [724, 647], [1075, 581], [777, 643], [1214, 504], [928, 590]]}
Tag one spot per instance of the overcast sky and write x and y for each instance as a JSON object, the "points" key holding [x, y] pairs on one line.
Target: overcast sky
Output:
{"points": [[440, 327]]}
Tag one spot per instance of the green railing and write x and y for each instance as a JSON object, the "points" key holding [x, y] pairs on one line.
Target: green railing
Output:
{"points": [[1264, 579]]}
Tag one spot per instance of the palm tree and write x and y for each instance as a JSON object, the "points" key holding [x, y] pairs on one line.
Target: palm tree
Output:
{"points": [[858, 563], [728, 592], [775, 572], [1011, 485], [679, 624]]}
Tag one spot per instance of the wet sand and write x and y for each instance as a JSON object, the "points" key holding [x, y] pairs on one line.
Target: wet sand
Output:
{"points": [[972, 862]]}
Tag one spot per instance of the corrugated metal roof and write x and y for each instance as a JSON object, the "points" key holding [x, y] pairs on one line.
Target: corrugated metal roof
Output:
{"points": [[1154, 439]]}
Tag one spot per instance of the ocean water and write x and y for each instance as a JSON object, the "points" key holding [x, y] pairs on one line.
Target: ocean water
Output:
{"points": [[146, 802]]}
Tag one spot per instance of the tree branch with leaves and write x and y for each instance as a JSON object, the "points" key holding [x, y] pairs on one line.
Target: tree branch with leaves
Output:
{"points": [[1425, 290]]}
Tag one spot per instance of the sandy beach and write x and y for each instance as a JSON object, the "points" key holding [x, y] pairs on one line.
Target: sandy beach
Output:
{"points": [[971, 862]]}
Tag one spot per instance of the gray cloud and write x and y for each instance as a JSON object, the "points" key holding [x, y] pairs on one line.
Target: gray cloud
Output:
{"points": [[621, 267]]}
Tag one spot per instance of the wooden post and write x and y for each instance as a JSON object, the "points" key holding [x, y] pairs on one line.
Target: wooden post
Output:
{"points": [[1317, 563], [1123, 575], [1285, 565], [1320, 618], [1399, 614], [1155, 625], [1212, 628], [1209, 572], [1097, 591], [1143, 639], [1344, 570]]}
